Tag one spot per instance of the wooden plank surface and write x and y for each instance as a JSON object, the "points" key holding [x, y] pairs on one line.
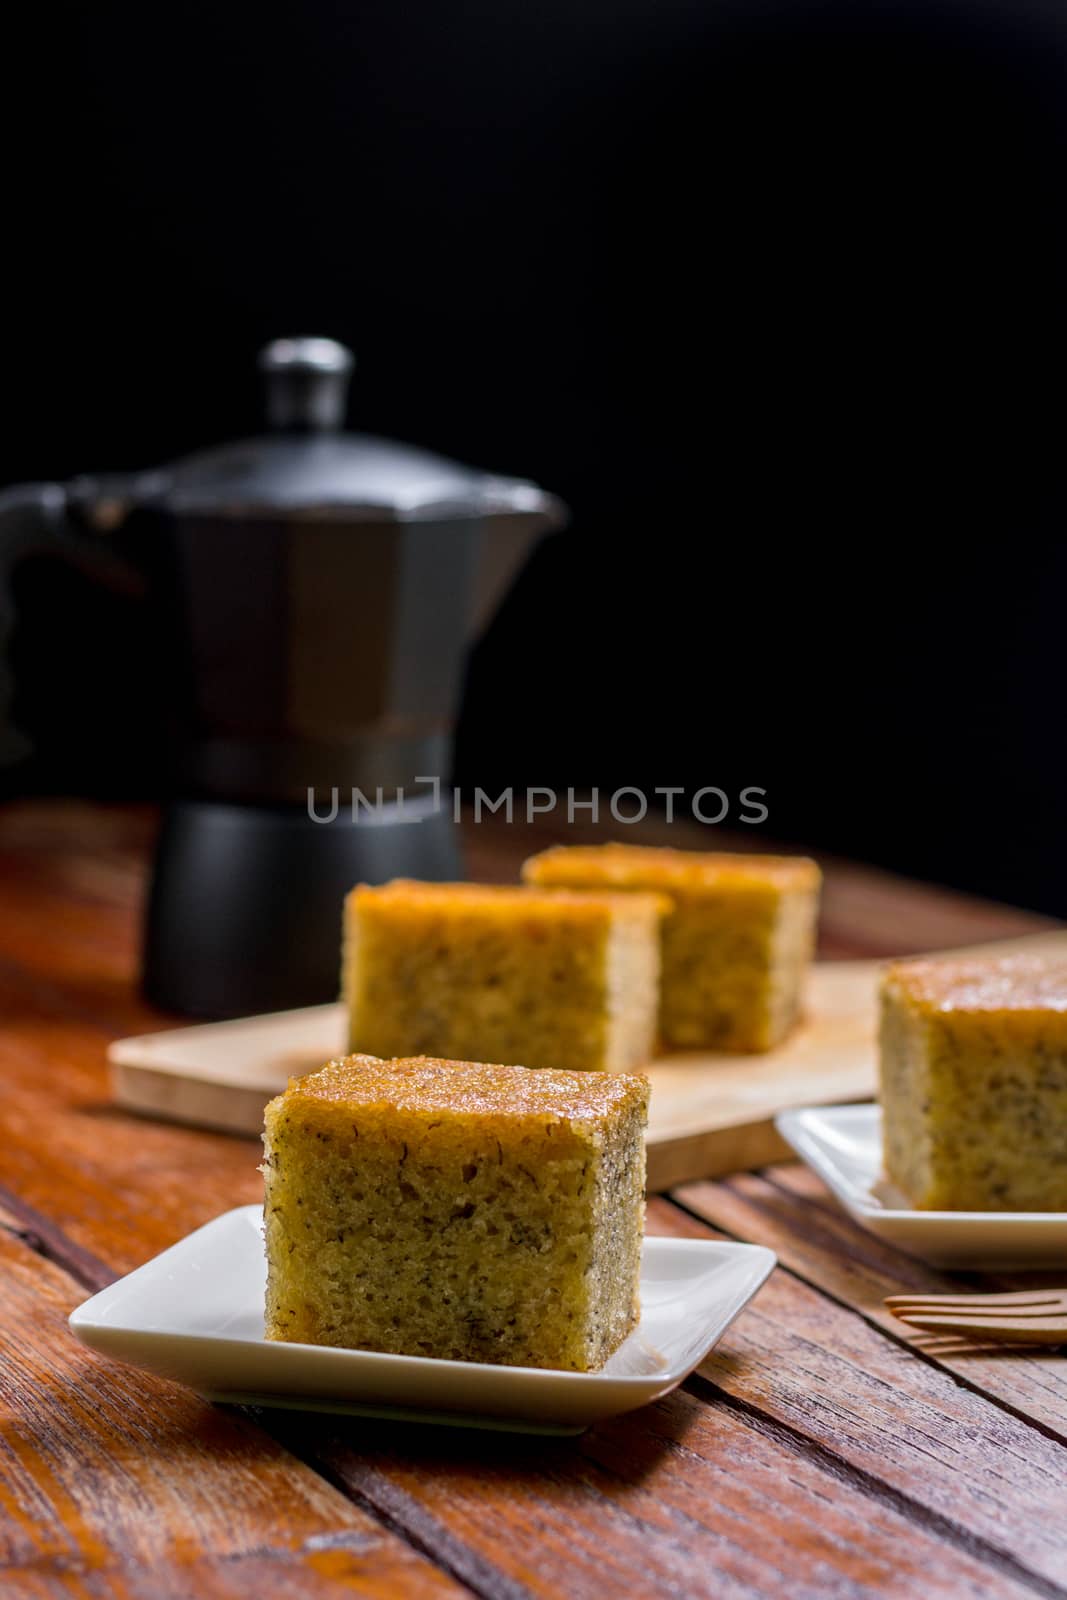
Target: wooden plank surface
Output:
{"points": [[124, 1485], [788, 1210], [821, 1451]]}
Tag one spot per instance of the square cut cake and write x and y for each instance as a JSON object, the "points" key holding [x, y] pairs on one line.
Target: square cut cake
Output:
{"points": [[471, 972], [973, 1068], [444, 1208], [737, 942]]}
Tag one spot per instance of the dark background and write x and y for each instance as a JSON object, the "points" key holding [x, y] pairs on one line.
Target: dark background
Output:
{"points": [[772, 294]]}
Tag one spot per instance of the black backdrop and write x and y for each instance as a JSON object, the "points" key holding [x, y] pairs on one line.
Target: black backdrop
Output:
{"points": [[771, 293]]}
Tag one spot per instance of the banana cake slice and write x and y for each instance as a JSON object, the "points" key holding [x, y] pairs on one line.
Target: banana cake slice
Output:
{"points": [[973, 1067], [737, 941], [484, 973], [457, 1210]]}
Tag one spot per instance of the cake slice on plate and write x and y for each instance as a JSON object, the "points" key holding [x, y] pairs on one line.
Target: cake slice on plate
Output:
{"points": [[457, 1210], [973, 1068]]}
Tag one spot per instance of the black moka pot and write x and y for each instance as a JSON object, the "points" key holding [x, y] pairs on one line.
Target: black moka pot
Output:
{"points": [[314, 594]]}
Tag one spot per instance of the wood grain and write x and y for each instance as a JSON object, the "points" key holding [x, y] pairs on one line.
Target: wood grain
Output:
{"points": [[780, 1494], [687, 1497], [821, 1370], [815, 1455], [820, 1244], [125, 1485], [477, 1534]]}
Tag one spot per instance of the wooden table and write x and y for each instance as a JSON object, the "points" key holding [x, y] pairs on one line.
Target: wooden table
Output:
{"points": [[821, 1451]]}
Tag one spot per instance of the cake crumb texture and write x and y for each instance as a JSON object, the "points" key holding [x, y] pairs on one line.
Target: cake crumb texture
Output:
{"points": [[542, 978], [736, 944], [973, 1082], [457, 1210]]}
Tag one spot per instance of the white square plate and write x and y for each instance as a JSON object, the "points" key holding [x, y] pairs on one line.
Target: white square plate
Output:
{"points": [[843, 1144], [195, 1314]]}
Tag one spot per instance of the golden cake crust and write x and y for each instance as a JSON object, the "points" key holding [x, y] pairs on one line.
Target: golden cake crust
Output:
{"points": [[467, 1089], [990, 986], [510, 902], [669, 869]]}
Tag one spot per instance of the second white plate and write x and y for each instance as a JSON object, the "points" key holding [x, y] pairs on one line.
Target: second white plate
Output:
{"points": [[195, 1314], [843, 1144]]}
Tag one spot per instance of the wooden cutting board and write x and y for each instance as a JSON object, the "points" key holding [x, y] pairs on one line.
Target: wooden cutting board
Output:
{"points": [[710, 1114]]}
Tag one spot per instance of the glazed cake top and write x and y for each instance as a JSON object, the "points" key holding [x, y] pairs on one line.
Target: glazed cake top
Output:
{"points": [[466, 1088], [642, 865], [508, 901], [1007, 983]]}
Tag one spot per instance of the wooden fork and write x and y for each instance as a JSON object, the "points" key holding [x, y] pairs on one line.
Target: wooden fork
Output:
{"points": [[1030, 1316]]}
